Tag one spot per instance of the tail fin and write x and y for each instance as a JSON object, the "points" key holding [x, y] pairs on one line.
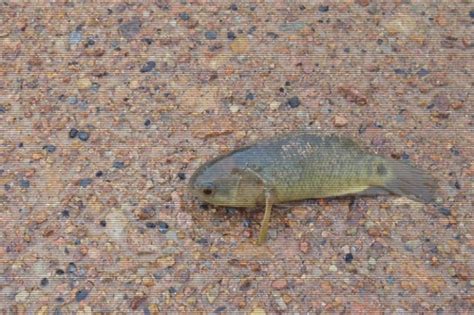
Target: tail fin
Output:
{"points": [[409, 181]]}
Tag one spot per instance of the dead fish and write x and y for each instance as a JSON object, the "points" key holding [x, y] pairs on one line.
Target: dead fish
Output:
{"points": [[301, 166]]}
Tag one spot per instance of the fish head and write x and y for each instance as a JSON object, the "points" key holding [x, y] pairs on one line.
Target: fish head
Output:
{"points": [[222, 183]]}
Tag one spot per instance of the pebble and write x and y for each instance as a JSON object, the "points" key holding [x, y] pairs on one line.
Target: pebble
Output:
{"points": [[445, 211], [333, 268], [21, 296], [150, 225], [118, 165], [348, 258], [471, 14], [81, 295], [72, 100], [83, 135], [146, 213], [210, 35], [73, 133], [423, 72], [233, 7], [84, 83], [24, 183], [323, 8], [234, 109], [44, 282], [85, 182], [148, 67], [182, 175], [258, 311], [275, 105], [99, 174], [340, 121], [75, 37], [294, 102], [279, 284], [163, 227], [71, 268], [304, 247], [231, 35], [184, 16], [49, 148], [130, 29], [240, 45]]}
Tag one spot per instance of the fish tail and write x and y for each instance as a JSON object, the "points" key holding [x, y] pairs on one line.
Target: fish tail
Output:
{"points": [[406, 180]]}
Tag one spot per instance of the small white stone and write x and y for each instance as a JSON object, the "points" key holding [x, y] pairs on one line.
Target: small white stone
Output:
{"points": [[274, 105], [234, 109]]}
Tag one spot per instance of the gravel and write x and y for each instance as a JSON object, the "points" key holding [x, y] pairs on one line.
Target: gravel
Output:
{"points": [[230, 73]]}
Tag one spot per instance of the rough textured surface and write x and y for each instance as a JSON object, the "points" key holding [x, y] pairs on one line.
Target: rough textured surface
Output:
{"points": [[134, 97]]}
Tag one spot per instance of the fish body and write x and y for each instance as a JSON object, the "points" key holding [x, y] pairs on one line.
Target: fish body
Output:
{"points": [[304, 166]]}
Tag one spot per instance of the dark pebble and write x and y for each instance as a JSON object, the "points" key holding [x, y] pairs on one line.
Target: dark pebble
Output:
{"points": [[99, 173], [50, 148], [95, 87], [182, 175], [73, 133], [85, 182], [147, 122], [24, 183], [118, 165], [273, 35], [323, 8], [204, 206], [44, 282], [347, 50], [83, 135], [390, 280], [131, 28], [252, 30], [150, 225], [163, 227], [210, 35], [234, 7], [20, 145], [148, 41], [294, 102], [2, 109], [348, 258], [445, 211], [231, 35], [72, 100], [81, 295], [59, 272], [65, 213], [220, 309], [149, 66], [247, 223], [184, 16], [90, 42], [471, 14], [172, 290], [423, 72], [457, 185], [202, 241], [250, 96], [400, 71], [454, 151], [71, 268], [103, 223]]}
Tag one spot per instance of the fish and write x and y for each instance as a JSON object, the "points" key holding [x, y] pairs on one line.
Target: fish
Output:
{"points": [[302, 165]]}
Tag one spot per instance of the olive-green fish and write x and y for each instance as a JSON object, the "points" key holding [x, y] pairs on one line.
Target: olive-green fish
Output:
{"points": [[303, 166]]}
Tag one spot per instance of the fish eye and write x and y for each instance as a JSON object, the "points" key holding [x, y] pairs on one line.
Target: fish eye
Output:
{"points": [[208, 189]]}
